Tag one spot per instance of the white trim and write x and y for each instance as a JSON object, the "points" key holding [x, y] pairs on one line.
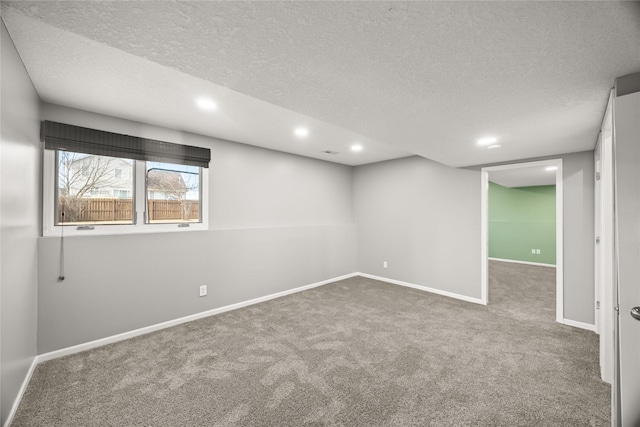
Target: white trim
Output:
{"points": [[597, 227], [23, 388], [559, 242], [152, 328], [605, 250], [424, 288], [48, 192], [576, 324], [484, 239], [540, 264]]}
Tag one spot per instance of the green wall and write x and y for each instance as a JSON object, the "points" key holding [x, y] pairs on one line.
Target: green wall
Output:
{"points": [[521, 219]]}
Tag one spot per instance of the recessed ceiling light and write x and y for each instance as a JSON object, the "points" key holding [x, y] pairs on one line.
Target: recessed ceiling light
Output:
{"points": [[494, 146], [206, 103], [551, 168], [356, 147], [301, 132], [487, 141]]}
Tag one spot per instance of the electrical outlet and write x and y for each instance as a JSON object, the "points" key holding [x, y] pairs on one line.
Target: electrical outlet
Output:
{"points": [[384, 264], [203, 290], [533, 251], [537, 251]]}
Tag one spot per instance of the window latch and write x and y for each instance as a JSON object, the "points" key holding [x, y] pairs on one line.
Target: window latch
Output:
{"points": [[184, 224], [86, 227]]}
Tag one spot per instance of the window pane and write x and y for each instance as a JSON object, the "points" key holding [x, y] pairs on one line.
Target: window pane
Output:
{"points": [[90, 191], [173, 193]]}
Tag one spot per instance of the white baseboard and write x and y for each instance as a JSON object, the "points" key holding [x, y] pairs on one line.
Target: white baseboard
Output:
{"points": [[152, 328], [23, 388], [576, 324], [424, 288], [522, 262]]}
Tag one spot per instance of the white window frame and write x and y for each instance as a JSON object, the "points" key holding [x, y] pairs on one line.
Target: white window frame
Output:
{"points": [[49, 229]]}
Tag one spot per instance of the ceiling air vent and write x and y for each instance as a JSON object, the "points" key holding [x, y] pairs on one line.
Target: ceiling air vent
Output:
{"points": [[331, 152]]}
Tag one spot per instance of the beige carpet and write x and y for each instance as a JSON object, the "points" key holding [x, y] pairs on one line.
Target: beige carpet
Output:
{"points": [[352, 353]]}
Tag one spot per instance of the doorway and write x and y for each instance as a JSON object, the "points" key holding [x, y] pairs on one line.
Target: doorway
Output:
{"points": [[524, 171]]}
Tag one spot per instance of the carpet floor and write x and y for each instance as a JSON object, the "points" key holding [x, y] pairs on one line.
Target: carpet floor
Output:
{"points": [[358, 352]]}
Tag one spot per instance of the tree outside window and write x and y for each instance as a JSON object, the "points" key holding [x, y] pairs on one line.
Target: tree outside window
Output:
{"points": [[82, 177]]}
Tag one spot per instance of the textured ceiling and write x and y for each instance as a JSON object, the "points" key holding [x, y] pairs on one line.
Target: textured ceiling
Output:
{"points": [[74, 71], [420, 77]]}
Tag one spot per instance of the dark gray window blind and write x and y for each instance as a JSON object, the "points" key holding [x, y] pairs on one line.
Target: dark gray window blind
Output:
{"points": [[61, 136]]}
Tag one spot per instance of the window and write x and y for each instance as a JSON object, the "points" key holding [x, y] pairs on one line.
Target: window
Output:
{"points": [[84, 190], [173, 193], [92, 191]]}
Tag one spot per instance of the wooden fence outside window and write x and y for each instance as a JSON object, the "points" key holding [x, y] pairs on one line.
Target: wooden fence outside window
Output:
{"points": [[103, 209]]}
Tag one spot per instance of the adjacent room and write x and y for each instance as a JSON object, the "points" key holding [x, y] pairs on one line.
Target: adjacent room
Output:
{"points": [[319, 213], [524, 230]]}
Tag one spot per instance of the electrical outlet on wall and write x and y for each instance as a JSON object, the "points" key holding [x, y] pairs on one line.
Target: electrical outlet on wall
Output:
{"points": [[537, 251], [533, 251], [384, 264], [203, 290]]}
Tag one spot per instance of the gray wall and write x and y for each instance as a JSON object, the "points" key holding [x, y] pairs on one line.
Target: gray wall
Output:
{"points": [[423, 218], [19, 223], [277, 221], [578, 220], [248, 186], [115, 284], [579, 245]]}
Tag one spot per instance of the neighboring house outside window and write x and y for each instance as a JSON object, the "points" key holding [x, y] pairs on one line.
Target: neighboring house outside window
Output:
{"points": [[173, 193], [99, 190], [97, 172]]}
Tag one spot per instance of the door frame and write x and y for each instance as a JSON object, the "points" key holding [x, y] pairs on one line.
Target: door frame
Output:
{"points": [[484, 240], [604, 261]]}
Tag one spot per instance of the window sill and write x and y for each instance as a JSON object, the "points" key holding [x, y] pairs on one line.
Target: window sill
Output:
{"points": [[111, 230]]}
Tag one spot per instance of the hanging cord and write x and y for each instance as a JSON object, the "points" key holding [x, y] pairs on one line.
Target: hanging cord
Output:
{"points": [[61, 276]]}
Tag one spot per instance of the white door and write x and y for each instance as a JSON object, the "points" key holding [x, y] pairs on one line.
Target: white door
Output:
{"points": [[604, 257], [626, 116]]}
